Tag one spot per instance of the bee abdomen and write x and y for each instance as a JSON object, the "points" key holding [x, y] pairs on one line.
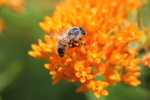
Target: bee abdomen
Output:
{"points": [[61, 51]]}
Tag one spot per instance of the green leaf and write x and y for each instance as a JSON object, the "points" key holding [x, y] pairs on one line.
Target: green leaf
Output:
{"points": [[9, 75], [0, 98], [123, 92]]}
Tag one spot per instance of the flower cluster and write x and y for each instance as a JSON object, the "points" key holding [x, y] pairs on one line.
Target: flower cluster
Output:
{"points": [[110, 53], [15, 5]]}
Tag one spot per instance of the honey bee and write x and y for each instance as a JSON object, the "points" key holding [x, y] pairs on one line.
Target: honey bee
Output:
{"points": [[72, 38]]}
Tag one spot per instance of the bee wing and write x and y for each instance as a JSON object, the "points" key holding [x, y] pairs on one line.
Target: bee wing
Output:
{"points": [[54, 36], [61, 39], [58, 36]]}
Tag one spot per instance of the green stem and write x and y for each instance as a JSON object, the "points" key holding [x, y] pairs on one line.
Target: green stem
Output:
{"points": [[139, 19], [91, 96]]}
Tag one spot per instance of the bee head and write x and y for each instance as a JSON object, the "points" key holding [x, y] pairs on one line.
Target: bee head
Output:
{"points": [[76, 31]]}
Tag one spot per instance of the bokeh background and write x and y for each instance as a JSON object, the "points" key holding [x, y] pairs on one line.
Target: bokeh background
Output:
{"points": [[24, 78]]}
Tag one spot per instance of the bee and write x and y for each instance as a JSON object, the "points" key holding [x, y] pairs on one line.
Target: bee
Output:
{"points": [[72, 38]]}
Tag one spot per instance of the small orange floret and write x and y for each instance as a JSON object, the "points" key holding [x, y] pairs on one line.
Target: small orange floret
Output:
{"points": [[2, 25], [108, 53]]}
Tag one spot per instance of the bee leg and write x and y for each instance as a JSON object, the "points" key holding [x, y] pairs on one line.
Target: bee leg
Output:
{"points": [[70, 45], [81, 43], [75, 44]]}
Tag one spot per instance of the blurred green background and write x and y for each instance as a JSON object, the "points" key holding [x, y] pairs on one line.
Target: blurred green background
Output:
{"points": [[24, 78]]}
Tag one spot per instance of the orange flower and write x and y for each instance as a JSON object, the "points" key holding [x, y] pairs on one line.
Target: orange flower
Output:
{"points": [[15, 5], [2, 2], [108, 56], [2, 25]]}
